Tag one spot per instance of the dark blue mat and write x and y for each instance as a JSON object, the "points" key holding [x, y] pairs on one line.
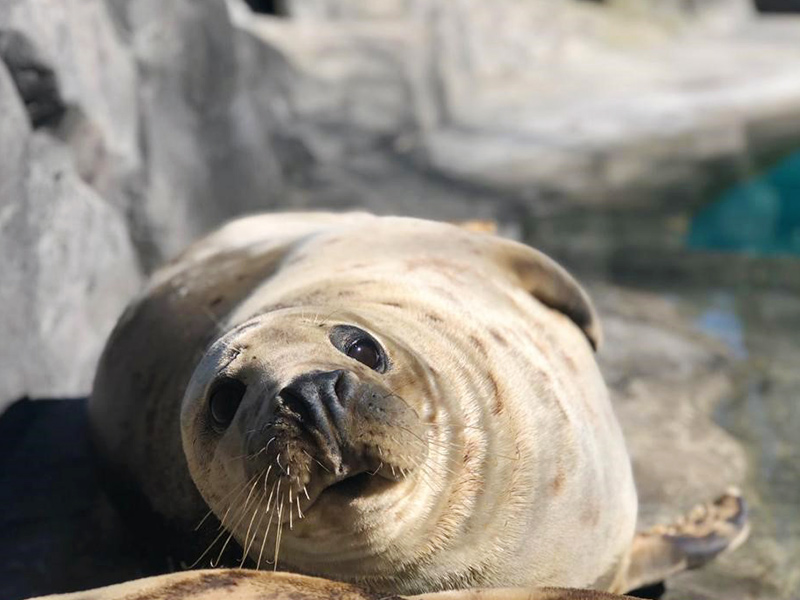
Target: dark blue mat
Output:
{"points": [[58, 530]]}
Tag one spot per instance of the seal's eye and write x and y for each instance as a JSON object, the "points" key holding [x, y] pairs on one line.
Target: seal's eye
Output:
{"points": [[361, 346], [365, 351], [224, 401]]}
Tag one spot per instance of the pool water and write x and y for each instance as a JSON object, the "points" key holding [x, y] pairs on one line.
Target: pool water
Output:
{"points": [[762, 329], [761, 215], [732, 267]]}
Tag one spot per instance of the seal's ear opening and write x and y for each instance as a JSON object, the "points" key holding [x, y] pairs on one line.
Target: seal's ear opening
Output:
{"points": [[550, 283]]}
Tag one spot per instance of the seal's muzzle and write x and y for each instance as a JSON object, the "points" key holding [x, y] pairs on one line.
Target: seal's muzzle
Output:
{"points": [[321, 402]]}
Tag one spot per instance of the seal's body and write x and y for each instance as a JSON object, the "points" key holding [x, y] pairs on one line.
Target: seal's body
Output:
{"points": [[407, 405]]}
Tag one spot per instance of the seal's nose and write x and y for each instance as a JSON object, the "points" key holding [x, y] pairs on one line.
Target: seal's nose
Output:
{"points": [[321, 401]]}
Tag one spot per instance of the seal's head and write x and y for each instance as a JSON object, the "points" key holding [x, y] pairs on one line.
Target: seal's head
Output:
{"points": [[402, 404], [303, 427]]}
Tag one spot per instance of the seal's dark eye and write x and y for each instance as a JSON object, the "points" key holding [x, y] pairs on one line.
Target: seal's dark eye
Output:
{"points": [[365, 351], [361, 346], [224, 401]]}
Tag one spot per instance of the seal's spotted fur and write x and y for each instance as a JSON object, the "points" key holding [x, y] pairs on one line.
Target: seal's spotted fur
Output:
{"points": [[489, 455]]}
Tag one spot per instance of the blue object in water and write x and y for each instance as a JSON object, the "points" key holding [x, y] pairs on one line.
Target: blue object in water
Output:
{"points": [[760, 216]]}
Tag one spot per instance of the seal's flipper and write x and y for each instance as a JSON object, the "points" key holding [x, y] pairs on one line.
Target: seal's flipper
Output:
{"points": [[704, 533]]}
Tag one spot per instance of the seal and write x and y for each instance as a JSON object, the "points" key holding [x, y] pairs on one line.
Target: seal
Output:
{"points": [[243, 584], [405, 405]]}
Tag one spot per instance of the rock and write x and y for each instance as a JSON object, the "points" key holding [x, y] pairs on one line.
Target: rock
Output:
{"points": [[14, 134], [666, 379], [207, 151], [34, 78], [190, 116], [722, 11], [166, 130], [640, 103], [69, 266], [347, 103], [85, 271], [672, 388], [79, 41]]}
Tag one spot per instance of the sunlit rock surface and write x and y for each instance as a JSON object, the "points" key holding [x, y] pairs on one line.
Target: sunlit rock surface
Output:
{"points": [[666, 380], [68, 263], [609, 103]]}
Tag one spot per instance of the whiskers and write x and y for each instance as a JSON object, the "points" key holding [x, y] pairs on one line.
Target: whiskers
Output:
{"points": [[256, 511], [254, 502]]}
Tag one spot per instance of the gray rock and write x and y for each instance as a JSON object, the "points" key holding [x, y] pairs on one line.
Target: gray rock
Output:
{"points": [[348, 103], [84, 271], [68, 264], [722, 11], [14, 133], [207, 152], [95, 70], [34, 79], [166, 129], [666, 380], [673, 387], [185, 119], [639, 102]]}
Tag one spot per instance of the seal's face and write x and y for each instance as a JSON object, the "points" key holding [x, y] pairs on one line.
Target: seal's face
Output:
{"points": [[306, 429]]}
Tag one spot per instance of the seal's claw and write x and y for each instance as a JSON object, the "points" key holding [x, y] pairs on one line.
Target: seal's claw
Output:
{"points": [[706, 531], [711, 529]]}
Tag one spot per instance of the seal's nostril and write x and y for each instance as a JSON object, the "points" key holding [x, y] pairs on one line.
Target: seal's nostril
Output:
{"points": [[295, 403], [320, 402], [343, 387]]}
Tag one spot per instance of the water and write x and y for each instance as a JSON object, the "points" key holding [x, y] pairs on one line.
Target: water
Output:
{"points": [[762, 328], [759, 216], [732, 267]]}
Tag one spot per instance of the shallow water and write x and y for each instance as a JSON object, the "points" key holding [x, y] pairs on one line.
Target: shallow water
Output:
{"points": [[762, 329], [732, 267]]}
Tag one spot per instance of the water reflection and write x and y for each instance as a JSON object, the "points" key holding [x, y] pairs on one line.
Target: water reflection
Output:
{"points": [[720, 321]]}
